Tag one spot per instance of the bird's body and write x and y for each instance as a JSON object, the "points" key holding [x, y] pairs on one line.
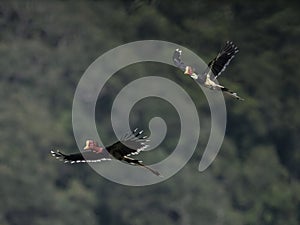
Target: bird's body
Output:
{"points": [[208, 78], [130, 144], [211, 84]]}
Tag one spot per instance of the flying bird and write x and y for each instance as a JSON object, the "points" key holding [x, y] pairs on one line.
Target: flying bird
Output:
{"points": [[131, 144], [208, 78]]}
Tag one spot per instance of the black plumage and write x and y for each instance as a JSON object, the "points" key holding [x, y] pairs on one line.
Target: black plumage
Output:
{"points": [[208, 78], [222, 60], [87, 156], [131, 144]]}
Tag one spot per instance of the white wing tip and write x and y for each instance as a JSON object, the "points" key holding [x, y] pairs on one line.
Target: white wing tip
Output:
{"points": [[178, 50]]}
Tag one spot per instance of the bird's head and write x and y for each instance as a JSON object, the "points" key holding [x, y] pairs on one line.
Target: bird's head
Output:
{"points": [[92, 145], [188, 70]]}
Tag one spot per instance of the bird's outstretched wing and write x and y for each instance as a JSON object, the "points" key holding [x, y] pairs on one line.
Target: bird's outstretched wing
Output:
{"points": [[131, 144], [87, 156], [221, 61], [178, 61]]}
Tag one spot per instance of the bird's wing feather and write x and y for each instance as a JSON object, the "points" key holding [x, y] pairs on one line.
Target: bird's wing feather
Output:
{"points": [[180, 64], [177, 60], [222, 60], [87, 156], [131, 144]]}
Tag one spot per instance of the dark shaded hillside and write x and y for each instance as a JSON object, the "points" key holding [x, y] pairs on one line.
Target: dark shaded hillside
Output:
{"points": [[45, 47]]}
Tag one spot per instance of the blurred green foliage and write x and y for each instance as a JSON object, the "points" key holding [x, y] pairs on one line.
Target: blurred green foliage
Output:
{"points": [[45, 47]]}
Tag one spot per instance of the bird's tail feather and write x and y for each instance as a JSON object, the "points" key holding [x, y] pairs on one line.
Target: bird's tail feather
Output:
{"points": [[139, 163], [150, 169], [231, 93]]}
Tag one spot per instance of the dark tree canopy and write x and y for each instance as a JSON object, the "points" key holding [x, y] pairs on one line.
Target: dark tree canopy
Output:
{"points": [[46, 46]]}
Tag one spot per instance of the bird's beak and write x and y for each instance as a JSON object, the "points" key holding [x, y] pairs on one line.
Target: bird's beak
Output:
{"points": [[188, 70], [87, 145]]}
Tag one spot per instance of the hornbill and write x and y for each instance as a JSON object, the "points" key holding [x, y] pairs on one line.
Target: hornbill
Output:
{"points": [[131, 144], [209, 76]]}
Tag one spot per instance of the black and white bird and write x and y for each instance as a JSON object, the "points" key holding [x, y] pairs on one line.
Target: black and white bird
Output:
{"points": [[208, 78], [131, 144]]}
